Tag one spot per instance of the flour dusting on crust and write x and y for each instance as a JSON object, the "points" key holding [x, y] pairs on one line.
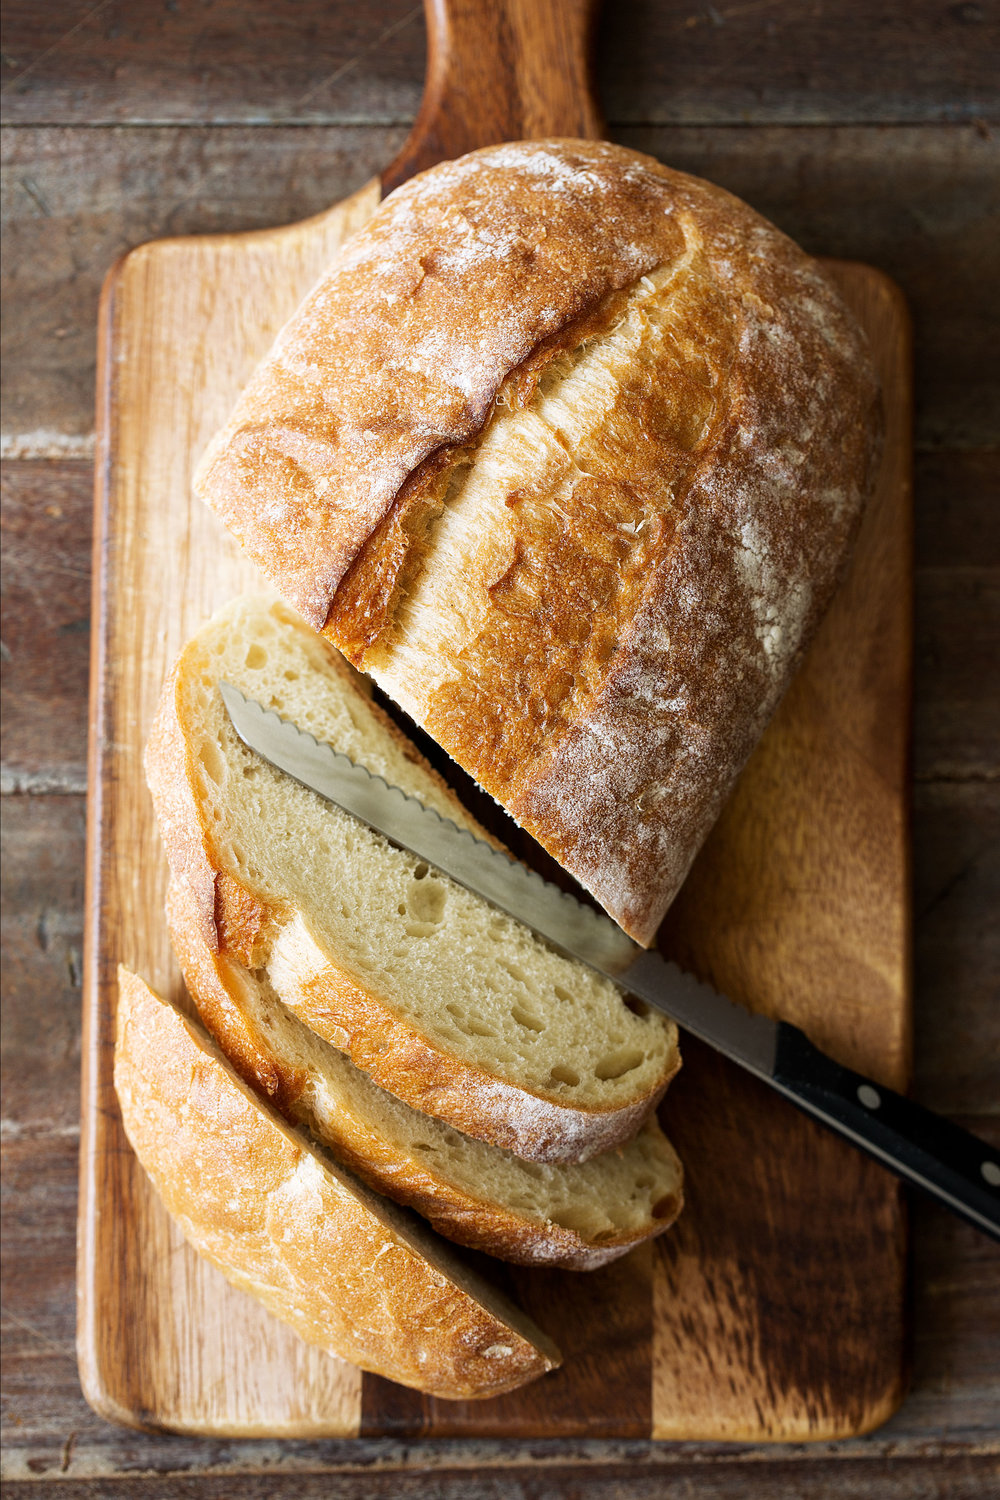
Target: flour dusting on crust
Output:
{"points": [[568, 450]]}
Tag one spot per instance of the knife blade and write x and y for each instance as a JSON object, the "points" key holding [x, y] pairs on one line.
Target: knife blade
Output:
{"points": [[952, 1164]]}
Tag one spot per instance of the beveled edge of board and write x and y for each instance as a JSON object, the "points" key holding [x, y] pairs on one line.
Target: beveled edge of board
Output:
{"points": [[899, 314], [94, 1382]]}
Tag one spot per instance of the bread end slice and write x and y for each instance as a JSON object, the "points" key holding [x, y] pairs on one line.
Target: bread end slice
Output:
{"points": [[347, 1270]]}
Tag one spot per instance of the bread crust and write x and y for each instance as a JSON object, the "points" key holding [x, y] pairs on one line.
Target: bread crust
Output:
{"points": [[218, 988], [401, 349], [345, 1269], [625, 659], [234, 919]]}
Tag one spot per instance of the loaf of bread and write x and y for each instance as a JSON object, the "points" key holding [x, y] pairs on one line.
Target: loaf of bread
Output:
{"points": [[567, 450], [575, 1216], [346, 1269], [443, 1001]]}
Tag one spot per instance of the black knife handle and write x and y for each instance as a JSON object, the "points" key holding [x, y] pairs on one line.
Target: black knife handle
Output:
{"points": [[954, 1166]]}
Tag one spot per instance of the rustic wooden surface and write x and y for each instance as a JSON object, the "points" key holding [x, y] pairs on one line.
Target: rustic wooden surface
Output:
{"points": [[867, 131], [797, 906]]}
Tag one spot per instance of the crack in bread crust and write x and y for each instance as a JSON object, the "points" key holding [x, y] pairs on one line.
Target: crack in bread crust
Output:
{"points": [[391, 560], [551, 524], [389, 360]]}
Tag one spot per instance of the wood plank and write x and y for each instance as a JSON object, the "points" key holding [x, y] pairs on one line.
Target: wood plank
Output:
{"points": [[968, 1478], [42, 839], [957, 945], [244, 61], [957, 510], [919, 203], [321, 61], [958, 625], [739, 62], [46, 512]]}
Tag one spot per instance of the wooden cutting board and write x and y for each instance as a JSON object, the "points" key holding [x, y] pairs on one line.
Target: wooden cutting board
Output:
{"points": [[774, 1309]]}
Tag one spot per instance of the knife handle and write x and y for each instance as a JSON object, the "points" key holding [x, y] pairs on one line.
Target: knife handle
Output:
{"points": [[948, 1162]]}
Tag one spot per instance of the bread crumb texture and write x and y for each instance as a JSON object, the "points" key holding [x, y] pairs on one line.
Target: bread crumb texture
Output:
{"points": [[567, 450], [575, 1216], [441, 999]]}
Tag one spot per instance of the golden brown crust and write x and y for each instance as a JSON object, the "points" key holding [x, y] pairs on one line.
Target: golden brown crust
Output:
{"points": [[218, 987], [167, 764], [391, 358], [344, 1268], [637, 614], [379, 575], [233, 919]]}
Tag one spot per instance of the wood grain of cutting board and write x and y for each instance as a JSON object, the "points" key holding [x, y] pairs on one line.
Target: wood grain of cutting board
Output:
{"points": [[774, 1309]]}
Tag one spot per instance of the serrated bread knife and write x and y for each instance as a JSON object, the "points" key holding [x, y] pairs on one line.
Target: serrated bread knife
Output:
{"points": [[956, 1167]]}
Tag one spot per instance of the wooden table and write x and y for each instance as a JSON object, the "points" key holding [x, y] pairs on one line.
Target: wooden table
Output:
{"points": [[865, 130]]}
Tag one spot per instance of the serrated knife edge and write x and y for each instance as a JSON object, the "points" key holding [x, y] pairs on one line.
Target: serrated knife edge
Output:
{"points": [[554, 915]]}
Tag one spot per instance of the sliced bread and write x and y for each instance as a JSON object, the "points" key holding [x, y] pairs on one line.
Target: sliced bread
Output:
{"points": [[346, 1269], [442, 1000], [575, 1216]]}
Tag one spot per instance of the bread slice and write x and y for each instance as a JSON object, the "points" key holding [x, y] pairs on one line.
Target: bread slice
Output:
{"points": [[575, 1216], [442, 1000], [346, 1269]]}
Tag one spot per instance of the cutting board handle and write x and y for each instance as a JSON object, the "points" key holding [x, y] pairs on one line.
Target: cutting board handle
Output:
{"points": [[500, 70]]}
